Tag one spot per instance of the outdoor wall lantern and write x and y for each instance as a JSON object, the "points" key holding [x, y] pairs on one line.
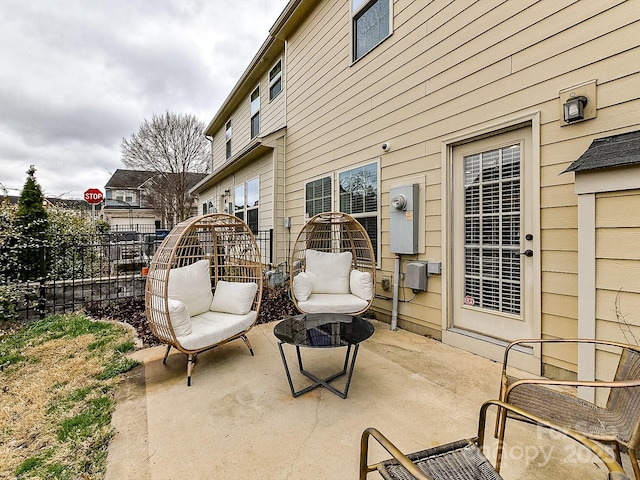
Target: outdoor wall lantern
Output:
{"points": [[573, 109]]}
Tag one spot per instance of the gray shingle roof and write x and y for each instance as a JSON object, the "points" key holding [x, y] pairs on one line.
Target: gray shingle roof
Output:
{"points": [[128, 179], [614, 151], [133, 179]]}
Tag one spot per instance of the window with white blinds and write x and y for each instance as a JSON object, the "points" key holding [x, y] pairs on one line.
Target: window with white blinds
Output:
{"points": [[492, 230]]}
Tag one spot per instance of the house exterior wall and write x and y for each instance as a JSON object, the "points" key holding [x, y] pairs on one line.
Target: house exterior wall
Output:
{"points": [[450, 74], [272, 118], [453, 70], [262, 156]]}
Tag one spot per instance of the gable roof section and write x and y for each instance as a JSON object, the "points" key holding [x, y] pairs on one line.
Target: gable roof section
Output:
{"points": [[129, 179], [289, 20], [614, 151], [134, 179]]}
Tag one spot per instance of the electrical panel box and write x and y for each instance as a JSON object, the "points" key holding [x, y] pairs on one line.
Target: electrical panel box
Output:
{"points": [[404, 219], [416, 276]]}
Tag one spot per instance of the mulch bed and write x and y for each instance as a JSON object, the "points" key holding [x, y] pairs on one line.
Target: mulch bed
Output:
{"points": [[275, 305]]}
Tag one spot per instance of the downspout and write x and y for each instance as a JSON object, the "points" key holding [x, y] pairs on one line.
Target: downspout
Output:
{"points": [[394, 307]]}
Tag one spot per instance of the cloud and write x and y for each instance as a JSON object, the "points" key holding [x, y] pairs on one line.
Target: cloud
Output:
{"points": [[79, 76]]}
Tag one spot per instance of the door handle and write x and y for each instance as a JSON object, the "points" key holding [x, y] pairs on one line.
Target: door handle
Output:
{"points": [[527, 253]]}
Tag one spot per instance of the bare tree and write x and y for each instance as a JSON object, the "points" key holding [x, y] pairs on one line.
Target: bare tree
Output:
{"points": [[172, 145]]}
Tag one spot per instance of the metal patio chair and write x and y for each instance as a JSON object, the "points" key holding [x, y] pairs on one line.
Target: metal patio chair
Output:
{"points": [[462, 459], [617, 423]]}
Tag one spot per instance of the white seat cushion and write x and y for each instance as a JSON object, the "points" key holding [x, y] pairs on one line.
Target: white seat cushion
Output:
{"points": [[331, 271], [333, 303], [210, 328], [192, 286]]}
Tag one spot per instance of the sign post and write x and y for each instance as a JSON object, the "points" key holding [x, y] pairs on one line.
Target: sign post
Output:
{"points": [[93, 196]]}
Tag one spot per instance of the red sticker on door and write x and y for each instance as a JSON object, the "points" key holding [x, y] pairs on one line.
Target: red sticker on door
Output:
{"points": [[469, 301]]}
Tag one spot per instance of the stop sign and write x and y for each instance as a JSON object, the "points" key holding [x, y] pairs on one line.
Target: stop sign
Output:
{"points": [[93, 196]]}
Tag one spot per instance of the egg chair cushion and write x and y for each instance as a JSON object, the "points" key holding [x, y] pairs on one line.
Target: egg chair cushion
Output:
{"points": [[192, 286], [234, 297], [331, 271]]}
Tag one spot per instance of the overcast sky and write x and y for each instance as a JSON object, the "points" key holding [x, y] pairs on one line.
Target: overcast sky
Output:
{"points": [[76, 76]]}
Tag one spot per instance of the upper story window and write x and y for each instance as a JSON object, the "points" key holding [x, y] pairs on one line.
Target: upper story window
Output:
{"points": [[228, 133], [275, 80], [371, 24], [255, 112]]}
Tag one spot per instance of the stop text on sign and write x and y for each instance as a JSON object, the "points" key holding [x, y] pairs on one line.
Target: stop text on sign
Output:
{"points": [[93, 196]]}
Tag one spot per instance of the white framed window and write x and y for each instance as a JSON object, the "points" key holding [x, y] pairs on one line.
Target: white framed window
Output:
{"points": [[371, 24], [227, 135], [359, 197], [255, 112], [238, 201], [275, 80], [247, 202], [317, 197], [252, 203]]}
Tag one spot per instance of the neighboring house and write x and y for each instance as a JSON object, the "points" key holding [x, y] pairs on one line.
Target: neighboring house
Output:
{"points": [[125, 207], [473, 110], [55, 202]]}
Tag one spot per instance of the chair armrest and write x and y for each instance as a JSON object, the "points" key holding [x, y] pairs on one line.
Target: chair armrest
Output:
{"points": [[389, 447], [575, 383], [615, 469], [543, 341]]}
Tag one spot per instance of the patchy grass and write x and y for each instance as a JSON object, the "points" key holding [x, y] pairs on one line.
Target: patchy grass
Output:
{"points": [[57, 396]]}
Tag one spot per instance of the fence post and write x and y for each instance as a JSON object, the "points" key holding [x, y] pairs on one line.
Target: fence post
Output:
{"points": [[271, 245]]}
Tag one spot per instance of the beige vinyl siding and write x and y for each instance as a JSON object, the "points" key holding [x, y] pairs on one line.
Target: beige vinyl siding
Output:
{"points": [[219, 156], [618, 263], [272, 112], [451, 67], [617, 274], [241, 126]]}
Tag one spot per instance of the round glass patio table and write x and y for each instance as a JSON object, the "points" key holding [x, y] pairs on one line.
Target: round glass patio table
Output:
{"points": [[323, 330]]}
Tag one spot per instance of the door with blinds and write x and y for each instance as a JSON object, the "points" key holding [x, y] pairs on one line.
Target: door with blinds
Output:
{"points": [[493, 237]]}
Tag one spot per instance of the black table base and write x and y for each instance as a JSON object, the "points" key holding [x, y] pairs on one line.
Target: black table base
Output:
{"points": [[318, 382]]}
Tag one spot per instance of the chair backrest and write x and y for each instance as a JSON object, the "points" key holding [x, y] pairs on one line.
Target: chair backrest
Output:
{"points": [[625, 401], [224, 240], [333, 232]]}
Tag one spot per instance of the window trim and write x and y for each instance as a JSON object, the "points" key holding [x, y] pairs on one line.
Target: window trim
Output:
{"points": [[356, 13], [254, 113], [228, 135], [273, 81], [377, 161], [331, 178], [244, 208]]}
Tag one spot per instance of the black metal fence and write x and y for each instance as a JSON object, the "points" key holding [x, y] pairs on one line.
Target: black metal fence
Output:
{"points": [[43, 278]]}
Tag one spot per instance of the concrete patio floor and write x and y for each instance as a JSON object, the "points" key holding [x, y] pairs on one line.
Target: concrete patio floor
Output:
{"points": [[238, 420]]}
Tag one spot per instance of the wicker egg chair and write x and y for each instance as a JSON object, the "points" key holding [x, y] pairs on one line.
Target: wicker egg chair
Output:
{"points": [[333, 233], [204, 285]]}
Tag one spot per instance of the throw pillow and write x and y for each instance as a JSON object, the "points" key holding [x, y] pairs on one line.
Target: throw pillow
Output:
{"points": [[192, 286], [361, 284], [234, 297], [303, 285], [331, 271], [179, 317]]}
